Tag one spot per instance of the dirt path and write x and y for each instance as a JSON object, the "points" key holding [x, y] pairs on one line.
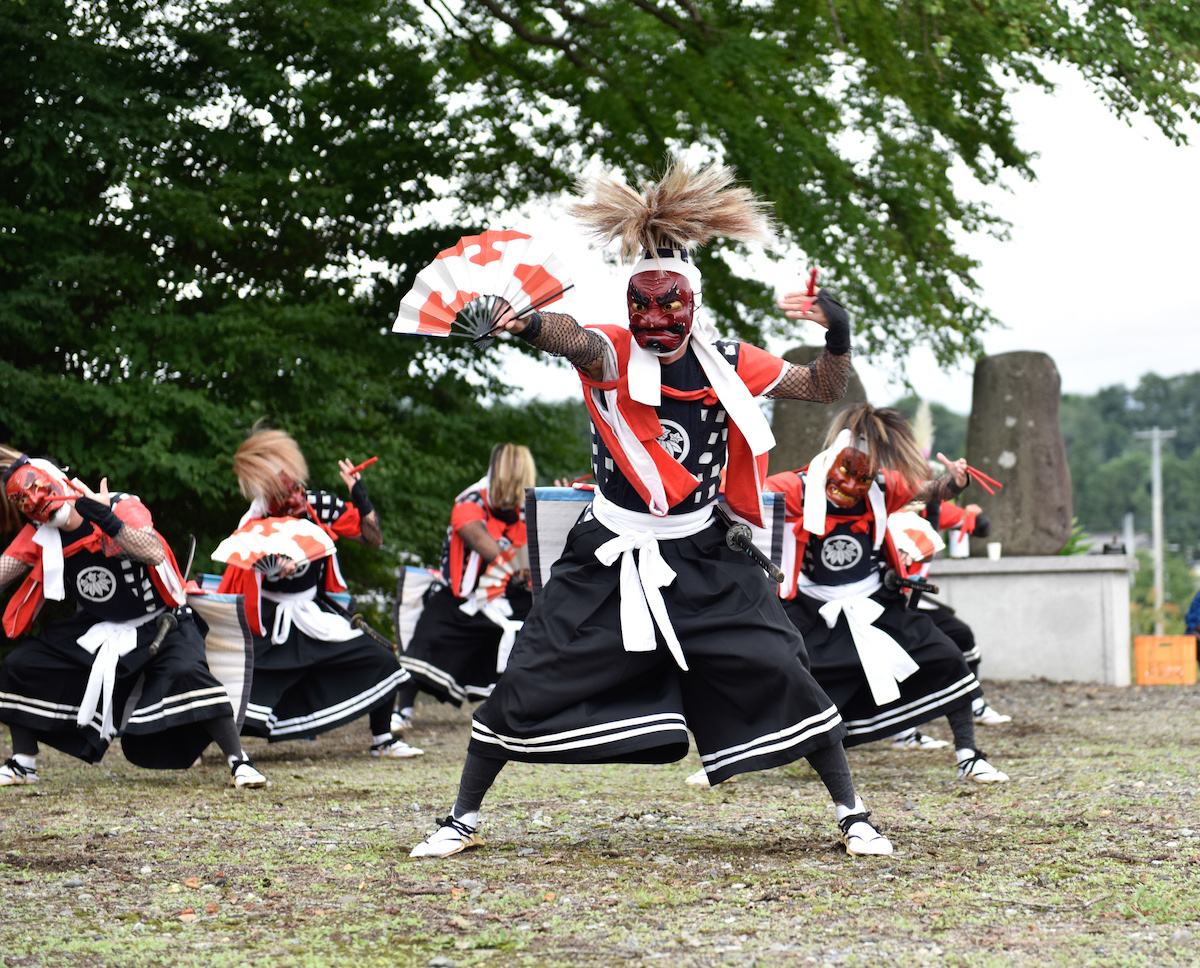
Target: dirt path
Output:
{"points": [[1090, 856]]}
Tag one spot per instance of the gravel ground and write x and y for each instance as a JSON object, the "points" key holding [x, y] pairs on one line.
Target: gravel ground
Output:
{"points": [[1089, 856]]}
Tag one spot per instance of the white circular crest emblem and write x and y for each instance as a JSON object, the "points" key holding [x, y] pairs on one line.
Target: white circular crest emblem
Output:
{"points": [[674, 440], [96, 584], [840, 553]]}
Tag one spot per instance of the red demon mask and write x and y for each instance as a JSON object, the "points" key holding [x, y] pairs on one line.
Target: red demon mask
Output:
{"points": [[661, 305], [35, 490], [849, 478], [293, 503]]}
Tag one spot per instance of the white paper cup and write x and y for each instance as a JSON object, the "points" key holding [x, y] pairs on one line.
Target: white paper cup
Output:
{"points": [[993, 550]]}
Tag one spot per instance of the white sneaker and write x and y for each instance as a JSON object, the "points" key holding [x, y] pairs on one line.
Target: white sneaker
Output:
{"points": [[396, 748], [914, 739], [401, 722], [975, 767], [985, 715], [450, 838], [244, 776], [860, 837], [13, 773], [700, 778]]}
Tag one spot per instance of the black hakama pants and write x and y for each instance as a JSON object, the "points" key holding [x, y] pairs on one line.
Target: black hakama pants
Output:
{"points": [[160, 702], [452, 655], [304, 686], [942, 683], [572, 694]]}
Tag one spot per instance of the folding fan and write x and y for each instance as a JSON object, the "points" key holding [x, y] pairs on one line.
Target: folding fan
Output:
{"points": [[265, 544], [459, 290], [493, 583], [914, 535]]}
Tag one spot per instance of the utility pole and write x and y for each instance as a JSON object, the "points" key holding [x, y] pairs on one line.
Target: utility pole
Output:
{"points": [[1156, 437]]}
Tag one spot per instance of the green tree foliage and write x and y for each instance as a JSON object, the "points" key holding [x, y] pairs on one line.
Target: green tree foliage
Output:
{"points": [[206, 208], [1110, 468], [209, 210], [848, 115]]}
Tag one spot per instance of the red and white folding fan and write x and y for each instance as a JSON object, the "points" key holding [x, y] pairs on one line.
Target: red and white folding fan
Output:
{"points": [[493, 583], [264, 544], [914, 535], [459, 290]]}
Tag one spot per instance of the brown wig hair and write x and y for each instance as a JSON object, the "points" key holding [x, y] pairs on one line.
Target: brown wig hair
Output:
{"points": [[10, 518], [510, 470], [887, 438], [260, 460]]}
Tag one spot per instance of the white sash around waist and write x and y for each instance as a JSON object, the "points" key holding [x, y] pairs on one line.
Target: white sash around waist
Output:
{"points": [[107, 641], [301, 609], [642, 604], [884, 661]]}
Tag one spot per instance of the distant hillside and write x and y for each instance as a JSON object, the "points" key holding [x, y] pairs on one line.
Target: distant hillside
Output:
{"points": [[1110, 468]]}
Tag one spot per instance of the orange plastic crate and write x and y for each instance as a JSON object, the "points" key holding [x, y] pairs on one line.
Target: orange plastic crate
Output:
{"points": [[1165, 660]]}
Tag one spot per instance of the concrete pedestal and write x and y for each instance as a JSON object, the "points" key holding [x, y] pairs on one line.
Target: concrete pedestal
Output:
{"points": [[1058, 617]]}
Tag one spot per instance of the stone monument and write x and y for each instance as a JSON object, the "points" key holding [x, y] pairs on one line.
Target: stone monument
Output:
{"points": [[799, 425], [1014, 436]]}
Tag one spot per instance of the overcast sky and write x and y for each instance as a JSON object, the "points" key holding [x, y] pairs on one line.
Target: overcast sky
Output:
{"points": [[1095, 274]]}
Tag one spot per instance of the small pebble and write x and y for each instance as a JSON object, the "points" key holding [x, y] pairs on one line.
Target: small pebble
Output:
{"points": [[73, 882]]}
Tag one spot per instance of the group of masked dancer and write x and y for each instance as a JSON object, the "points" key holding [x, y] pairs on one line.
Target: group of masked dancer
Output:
{"points": [[650, 625]]}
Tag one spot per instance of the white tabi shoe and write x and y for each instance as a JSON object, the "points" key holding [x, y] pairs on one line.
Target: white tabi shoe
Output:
{"points": [[244, 776], [859, 835], [13, 773], [985, 715], [450, 838], [914, 739], [700, 778], [396, 748], [401, 722], [973, 766]]}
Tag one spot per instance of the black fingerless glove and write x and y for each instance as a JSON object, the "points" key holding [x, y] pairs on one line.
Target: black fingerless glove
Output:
{"points": [[101, 515], [358, 497], [533, 330], [837, 337]]}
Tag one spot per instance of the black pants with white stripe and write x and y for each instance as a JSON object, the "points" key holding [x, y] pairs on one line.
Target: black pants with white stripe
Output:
{"points": [[572, 694], [959, 632], [452, 655], [162, 701], [942, 683]]}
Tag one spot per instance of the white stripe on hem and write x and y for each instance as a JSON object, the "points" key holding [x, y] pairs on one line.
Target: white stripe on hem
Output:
{"points": [[773, 742], [302, 725], [616, 725], [964, 686], [529, 747]]}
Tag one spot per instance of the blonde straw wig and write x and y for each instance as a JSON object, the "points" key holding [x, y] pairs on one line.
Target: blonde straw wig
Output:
{"points": [[260, 460], [684, 209]]}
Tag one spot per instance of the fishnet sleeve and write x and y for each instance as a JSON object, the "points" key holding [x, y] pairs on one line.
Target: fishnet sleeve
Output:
{"points": [[10, 570], [939, 489], [824, 380], [372, 532], [561, 335], [138, 544]]}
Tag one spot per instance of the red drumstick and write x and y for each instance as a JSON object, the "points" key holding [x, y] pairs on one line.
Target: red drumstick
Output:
{"points": [[983, 479], [812, 290], [367, 463]]}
